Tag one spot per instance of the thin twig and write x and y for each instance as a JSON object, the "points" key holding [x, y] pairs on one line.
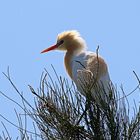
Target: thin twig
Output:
{"points": [[6, 131], [18, 126]]}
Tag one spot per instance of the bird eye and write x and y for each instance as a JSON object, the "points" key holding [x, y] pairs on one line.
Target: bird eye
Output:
{"points": [[60, 42]]}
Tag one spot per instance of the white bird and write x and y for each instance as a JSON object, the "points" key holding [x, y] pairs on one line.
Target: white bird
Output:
{"points": [[84, 67]]}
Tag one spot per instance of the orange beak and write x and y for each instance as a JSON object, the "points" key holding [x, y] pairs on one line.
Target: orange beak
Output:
{"points": [[50, 48]]}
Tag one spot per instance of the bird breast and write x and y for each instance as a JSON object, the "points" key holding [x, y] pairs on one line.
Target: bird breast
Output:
{"points": [[89, 61], [86, 66]]}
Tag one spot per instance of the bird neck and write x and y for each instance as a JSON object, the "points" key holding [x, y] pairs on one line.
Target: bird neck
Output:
{"points": [[68, 65], [68, 60], [73, 50]]}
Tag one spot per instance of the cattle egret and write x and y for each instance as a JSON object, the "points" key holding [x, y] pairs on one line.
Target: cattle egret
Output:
{"points": [[81, 64]]}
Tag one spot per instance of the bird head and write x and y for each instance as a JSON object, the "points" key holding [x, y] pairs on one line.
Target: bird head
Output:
{"points": [[68, 41]]}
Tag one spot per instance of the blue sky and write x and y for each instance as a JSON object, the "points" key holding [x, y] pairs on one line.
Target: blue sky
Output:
{"points": [[27, 27]]}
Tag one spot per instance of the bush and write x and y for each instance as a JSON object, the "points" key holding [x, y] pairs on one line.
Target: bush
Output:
{"points": [[62, 113]]}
